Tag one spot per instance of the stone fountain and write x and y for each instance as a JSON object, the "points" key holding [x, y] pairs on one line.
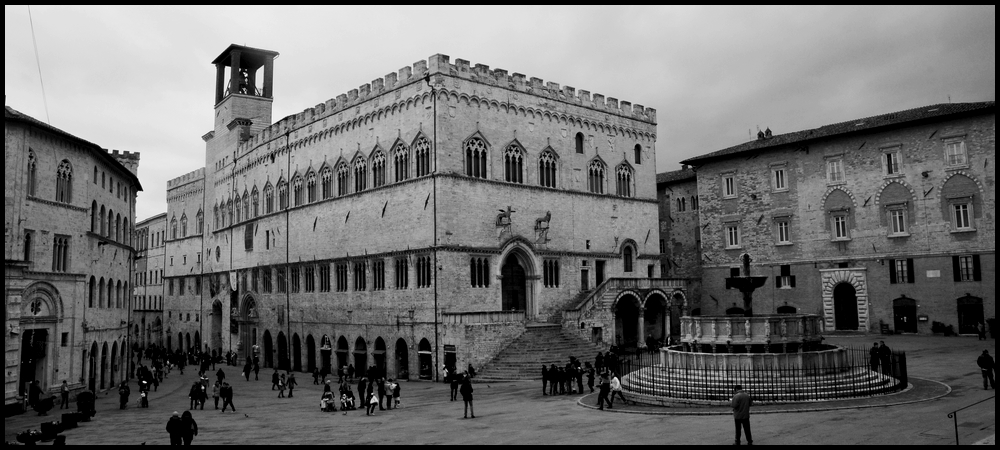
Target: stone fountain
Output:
{"points": [[780, 355]]}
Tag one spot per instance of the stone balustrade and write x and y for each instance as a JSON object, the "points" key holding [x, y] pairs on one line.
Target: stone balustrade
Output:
{"points": [[763, 330]]}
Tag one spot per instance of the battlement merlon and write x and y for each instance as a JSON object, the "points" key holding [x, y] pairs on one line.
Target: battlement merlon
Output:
{"points": [[189, 177], [119, 154], [439, 64]]}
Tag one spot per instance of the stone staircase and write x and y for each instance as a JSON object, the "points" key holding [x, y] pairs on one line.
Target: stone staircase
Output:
{"points": [[541, 343]]}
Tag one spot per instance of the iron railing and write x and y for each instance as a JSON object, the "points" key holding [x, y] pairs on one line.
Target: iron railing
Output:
{"points": [[855, 375], [954, 414]]}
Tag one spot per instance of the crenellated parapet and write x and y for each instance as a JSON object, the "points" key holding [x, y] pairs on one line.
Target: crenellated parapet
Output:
{"points": [[463, 69], [186, 178]]}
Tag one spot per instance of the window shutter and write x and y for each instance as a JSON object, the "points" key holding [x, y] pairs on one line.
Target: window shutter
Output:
{"points": [[910, 278], [792, 278], [956, 269], [977, 274], [892, 271], [777, 282], [786, 270]]}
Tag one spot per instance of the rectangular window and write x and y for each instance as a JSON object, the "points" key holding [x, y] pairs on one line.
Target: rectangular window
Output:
{"points": [[378, 275], [310, 279], [280, 275], [729, 186], [248, 237], [663, 246], [170, 286], [197, 285], [897, 222], [901, 271], [324, 278], [424, 271], [785, 279], [402, 273], [840, 227], [550, 278], [360, 277], [732, 236], [962, 216], [782, 229], [967, 268], [60, 254], [295, 280], [890, 162], [954, 150], [341, 270], [180, 286], [267, 280], [779, 179], [254, 278], [835, 171]]}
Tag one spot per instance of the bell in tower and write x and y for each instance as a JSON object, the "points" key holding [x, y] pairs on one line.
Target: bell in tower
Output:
{"points": [[244, 63]]}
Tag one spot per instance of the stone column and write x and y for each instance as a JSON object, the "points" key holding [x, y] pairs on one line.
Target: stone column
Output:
{"points": [[220, 81], [642, 328], [234, 72]]}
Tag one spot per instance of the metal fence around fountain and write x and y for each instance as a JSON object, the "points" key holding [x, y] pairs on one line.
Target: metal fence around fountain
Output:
{"points": [[857, 376]]}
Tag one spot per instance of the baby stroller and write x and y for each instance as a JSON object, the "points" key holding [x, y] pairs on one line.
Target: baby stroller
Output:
{"points": [[327, 404]]}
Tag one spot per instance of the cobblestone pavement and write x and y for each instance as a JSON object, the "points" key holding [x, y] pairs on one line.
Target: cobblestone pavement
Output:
{"points": [[517, 413]]}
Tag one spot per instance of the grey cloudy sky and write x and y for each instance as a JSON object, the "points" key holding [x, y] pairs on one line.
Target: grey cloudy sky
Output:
{"points": [[141, 79]]}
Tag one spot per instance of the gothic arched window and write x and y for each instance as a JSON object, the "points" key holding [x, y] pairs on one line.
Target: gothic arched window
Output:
{"points": [[475, 158], [547, 169], [360, 175], [513, 164], [343, 180], [378, 169], [623, 176], [422, 157], [311, 186], [64, 182], [595, 177], [401, 162]]}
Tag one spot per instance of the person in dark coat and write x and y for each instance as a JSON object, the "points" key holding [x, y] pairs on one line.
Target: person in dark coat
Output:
{"points": [[44, 405], [885, 358], [350, 372], [362, 389], [226, 392], [123, 392], [380, 383], [275, 379], [579, 376], [741, 413], [34, 393], [456, 380], [194, 394], [466, 391], [599, 362], [256, 370], [553, 379], [189, 427], [315, 376], [64, 393], [220, 375], [247, 368], [291, 384], [175, 428], [590, 377], [873, 357], [986, 364], [605, 389], [545, 379]]}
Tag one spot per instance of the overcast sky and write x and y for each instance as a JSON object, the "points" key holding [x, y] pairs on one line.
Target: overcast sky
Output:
{"points": [[141, 78]]}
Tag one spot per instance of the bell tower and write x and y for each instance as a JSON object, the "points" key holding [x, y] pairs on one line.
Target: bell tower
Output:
{"points": [[243, 95]]}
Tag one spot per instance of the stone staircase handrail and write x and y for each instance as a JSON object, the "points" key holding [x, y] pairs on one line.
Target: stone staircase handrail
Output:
{"points": [[482, 317]]}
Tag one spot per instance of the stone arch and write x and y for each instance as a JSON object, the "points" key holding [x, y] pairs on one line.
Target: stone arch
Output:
{"points": [[51, 306], [857, 278], [959, 185], [830, 191], [517, 259], [628, 316], [896, 194]]}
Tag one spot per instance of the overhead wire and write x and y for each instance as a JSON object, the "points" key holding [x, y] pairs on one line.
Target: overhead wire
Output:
{"points": [[38, 63]]}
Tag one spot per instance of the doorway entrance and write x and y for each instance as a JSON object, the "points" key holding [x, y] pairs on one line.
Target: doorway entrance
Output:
{"points": [[845, 307], [970, 314], [33, 344], [402, 360], [627, 321], [599, 265], [360, 357], [513, 285], [904, 312], [426, 360]]}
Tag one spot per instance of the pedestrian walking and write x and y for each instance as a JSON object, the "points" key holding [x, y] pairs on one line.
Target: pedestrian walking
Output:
{"points": [[189, 427], [315, 376], [981, 328], [175, 428], [227, 396], [350, 372], [194, 394], [34, 393], [395, 393], [372, 397], [291, 384], [275, 379], [247, 368], [616, 389], [216, 391], [123, 393], [553, 379], [605, 389], [885, 358], [455, 381], [144, 394], [281, 385], [545, 379], [590, 377], [466, 391], [986, 363], [579, 377], [741, 413], [471, 371], [256, 370], [64, 393], [362, 391], [220, 375]]}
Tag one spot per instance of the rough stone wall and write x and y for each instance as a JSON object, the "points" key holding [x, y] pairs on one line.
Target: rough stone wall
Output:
{"points": [[931, 242], [679, 229]]}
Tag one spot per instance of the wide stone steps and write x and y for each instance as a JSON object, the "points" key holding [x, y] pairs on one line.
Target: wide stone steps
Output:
{"points": [[655, 385], [542, 344]]}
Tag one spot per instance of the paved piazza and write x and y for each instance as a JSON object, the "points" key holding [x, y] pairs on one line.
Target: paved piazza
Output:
{"points": [[517, 413]]}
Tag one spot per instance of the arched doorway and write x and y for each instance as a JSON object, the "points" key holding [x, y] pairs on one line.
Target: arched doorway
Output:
{"points": [[296, 353], [379, 356], [970, 314], [426, 360], [402, 360], [343, 353], [627, 321], [114, 364], [92, 372], [104, 365], [282, 351], [514, 287], [326, 349], [360, 357], [187, 342], [655, 320], [247, 324], [198, 347], [180, 341], [216, 337], [735, 311], [169, 339], [677, 308], [310, 353], [268, 350], [904, 313], [845, 307], [33, 350]]}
